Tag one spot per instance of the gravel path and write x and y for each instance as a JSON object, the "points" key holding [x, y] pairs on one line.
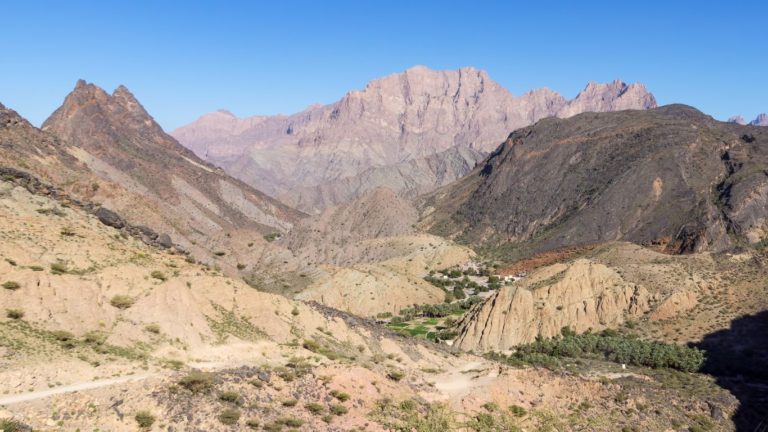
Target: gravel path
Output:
{"points": [[26, 397]]}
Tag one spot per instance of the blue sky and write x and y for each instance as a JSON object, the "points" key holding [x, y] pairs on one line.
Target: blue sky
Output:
{"points": [[182, 59]]}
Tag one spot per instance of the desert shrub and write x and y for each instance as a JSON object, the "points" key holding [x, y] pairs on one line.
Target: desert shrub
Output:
{"points": [[157, 274], [340, 395], [229, 416], [454, 273], [219, 253], [314, 408], [36, 268], [62, 335], [11, 285], [241, 266], [252, 423], [338, 409], [290, 421], [11, 425], [311, 345], [295, 311], [290, 402], [517, 410], [152, 328], [67, 232], [197, 382], [273, 427], [14, 313], [95, 338], [272, 237], [399, 417], [458, 293], [145, 419], [395, 375], [230, 396], [59, 268], [122, 301]]}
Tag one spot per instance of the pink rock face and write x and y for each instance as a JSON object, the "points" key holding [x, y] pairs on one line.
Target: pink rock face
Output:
{"points": [[406, 116], [739, 120], [761, 120]]}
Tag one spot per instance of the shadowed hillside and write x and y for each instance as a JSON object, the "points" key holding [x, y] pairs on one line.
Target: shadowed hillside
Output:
{"points": [[671, 177]]}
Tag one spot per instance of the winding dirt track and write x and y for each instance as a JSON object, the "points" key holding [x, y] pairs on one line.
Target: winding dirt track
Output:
{"points": [[26, 397]]}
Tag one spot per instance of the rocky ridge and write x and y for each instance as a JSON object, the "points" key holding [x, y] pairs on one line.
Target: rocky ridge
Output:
{"points": [[407, 116], [671, 177]]}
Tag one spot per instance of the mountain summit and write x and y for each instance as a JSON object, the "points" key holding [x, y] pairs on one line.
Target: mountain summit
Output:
{"points": [[760, 120], [402, 117]]}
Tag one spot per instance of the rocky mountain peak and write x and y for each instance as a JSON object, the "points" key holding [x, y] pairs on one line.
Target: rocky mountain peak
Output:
{"points": [[614, 96], [404, 117], [739, 120], [761, 120], [120, 111]]}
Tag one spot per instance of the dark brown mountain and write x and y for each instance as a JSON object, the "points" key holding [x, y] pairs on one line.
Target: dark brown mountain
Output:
{"points": [[670, 176]]}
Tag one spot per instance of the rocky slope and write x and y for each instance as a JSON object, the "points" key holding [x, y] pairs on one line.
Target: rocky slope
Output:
{"points": [[407, 116], [582, 295], [409, 178], [670, 176], [330, 236], [619, 284], [100, 328], [107, 149], [372, 258]]}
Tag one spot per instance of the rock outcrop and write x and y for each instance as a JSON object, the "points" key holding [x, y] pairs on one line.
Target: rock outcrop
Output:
{"points": [[670, 176], [582, 295], [613, 96], [403, 117]]}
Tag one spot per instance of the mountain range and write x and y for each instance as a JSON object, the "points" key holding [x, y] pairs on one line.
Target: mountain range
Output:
{"points": [[464, 259], [760, 120], [438, 122]]}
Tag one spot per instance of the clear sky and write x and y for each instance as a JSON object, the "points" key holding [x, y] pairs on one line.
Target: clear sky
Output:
{"points": [[184, 58]]}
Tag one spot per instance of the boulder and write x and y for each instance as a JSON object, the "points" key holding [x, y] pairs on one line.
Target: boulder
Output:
{"points": [[164, 241], [110, 218]]}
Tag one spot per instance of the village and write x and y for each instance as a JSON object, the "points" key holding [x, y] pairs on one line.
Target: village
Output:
{"points": [[464, 286]]}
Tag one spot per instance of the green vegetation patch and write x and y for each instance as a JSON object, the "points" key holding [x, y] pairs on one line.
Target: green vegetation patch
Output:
{"points": [[229, 323], [608, 345]]}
